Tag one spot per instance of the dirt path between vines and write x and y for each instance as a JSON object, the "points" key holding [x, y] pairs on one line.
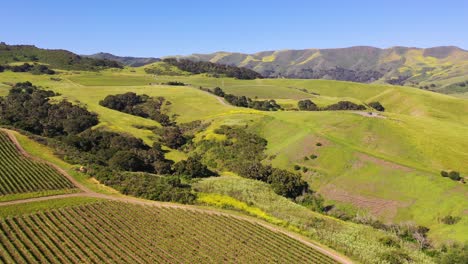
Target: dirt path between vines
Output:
{"points": [[86, 192]]}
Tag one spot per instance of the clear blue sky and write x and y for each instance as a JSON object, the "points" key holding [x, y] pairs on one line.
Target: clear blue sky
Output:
{"points": [[171, 27]]}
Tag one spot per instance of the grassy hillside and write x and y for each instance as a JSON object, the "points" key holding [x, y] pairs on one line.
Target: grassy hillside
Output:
{"points": [[22, 177], [442, 69], [101, 232], [387, 167], [57, 59]]}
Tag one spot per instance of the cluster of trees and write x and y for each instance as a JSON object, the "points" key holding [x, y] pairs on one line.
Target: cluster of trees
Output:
{"points": [[112, 156], [148, 186], [26, 67], [242, 152], [126, 153], [198, 67], [283, 182], [132, 167], [345, 105], [27, 107], [243, 101], [139, 105], [308, 105]]}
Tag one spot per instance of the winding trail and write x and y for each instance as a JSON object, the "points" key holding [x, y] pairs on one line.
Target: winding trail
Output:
{"points": [[220, 99], [86, 192]]}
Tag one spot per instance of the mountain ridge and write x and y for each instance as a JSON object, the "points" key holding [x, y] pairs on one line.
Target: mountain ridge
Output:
{"points": [[441, 68]]}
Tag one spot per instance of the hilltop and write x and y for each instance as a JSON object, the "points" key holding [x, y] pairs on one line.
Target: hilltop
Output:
{"points": [[56, 59]]}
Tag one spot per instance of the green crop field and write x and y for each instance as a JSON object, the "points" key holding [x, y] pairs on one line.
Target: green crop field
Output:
{"points": [[20, 175], [124, 233]]}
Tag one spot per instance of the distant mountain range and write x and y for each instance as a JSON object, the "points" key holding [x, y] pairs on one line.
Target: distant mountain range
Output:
{"points": [[439, 68], [443, 69]]}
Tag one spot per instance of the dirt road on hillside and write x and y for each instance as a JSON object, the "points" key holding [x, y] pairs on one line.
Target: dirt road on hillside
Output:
{"points": [[86, 192]]}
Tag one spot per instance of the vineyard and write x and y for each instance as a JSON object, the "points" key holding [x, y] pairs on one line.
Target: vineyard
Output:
{"points": [[116, 232], [19, 174]]}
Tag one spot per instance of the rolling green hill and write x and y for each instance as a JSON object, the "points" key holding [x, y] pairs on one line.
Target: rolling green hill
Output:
{"points": [[382, 166], [57, 59]]}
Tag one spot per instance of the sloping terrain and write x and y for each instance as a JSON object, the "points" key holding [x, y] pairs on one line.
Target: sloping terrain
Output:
{"points": [[124, 233], [21, 176], [368, 163], [57, 59], [385, 166], [442, 69]]}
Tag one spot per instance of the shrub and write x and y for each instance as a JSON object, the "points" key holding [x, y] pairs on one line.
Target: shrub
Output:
{"points": [[454, 175], [172, 137], [126, 161], [192, 168], [313, 156], [318, 144], [307, 105], [313, 201], [297, 167], [175, 83], [396, 257], [377, 106], [389, 241], [444, 173], [450, 220], [454, 254]]}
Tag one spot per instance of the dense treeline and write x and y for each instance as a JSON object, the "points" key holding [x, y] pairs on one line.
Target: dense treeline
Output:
{"points": [[148, 186], [198, 67], [337, 73], [308, 105], [242, 152], [139, 105], [243, 101], [110, 156], [345, 105], [27, 107], [26, 67], [56, 59]]}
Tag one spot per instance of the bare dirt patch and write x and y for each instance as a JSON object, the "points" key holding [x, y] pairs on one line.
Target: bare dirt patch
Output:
{"points": [[370, 114], [366, 158], [387, 209]]}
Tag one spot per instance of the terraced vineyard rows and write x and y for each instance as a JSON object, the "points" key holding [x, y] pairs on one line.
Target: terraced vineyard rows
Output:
{"points": [[19, 174], [116, 232]]}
